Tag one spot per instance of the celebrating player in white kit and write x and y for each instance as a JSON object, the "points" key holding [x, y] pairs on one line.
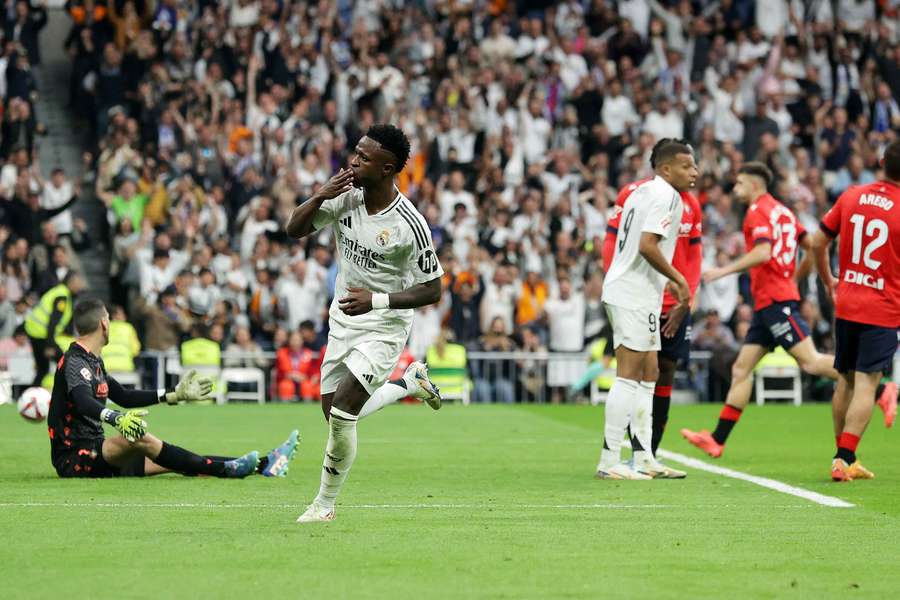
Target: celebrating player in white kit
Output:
{"points": [[387, 266], [632, 294]]}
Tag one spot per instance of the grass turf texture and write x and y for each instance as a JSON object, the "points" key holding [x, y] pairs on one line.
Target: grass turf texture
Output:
{"points": [[491, 476]]}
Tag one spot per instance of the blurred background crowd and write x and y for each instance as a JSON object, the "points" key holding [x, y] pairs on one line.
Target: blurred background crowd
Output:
{"points": [[210, 120]]}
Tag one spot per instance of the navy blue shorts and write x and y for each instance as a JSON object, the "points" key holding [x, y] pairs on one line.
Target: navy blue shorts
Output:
{"points": [[778, 324], [864, 348], [678, 347]]}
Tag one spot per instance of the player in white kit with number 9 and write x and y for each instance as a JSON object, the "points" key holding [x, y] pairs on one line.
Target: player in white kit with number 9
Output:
{"points": [[632, 294], [387, 266]]}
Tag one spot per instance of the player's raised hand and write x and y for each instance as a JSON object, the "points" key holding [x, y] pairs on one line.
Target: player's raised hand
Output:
{"points": [[192, 388], [131, 424], [340, 182], [358, 301]]}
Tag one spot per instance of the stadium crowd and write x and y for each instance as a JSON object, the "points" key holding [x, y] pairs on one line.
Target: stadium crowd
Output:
{"points": [[210, 121]]}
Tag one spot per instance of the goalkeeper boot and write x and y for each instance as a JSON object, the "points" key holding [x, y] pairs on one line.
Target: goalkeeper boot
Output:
{"points": [[887, 402], [857, 471], [416, 377], [242, 466], [277, 460], [315, 513], [703, 440], [620, 471], [840, 471]]}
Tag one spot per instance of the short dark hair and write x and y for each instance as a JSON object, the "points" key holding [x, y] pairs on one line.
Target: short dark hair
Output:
{"points": [[892, 161], [393, 140], [307, 324], [757, 169], [667, 149], [87, 315]]}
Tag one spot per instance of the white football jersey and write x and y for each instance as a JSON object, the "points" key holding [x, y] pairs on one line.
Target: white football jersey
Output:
{"points": [[386, 252], [654, 207]]}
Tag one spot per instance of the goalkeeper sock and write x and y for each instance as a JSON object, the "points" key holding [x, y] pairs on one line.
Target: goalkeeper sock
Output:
{"points": [[339, 455], [619, 405], [642, 420], [389, 393], [186, 462]]}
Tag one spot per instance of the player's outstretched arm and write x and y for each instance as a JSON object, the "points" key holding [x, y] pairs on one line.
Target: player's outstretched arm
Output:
{"points": [[301, 222], [761, 253], [191, 388], [359, 301]]}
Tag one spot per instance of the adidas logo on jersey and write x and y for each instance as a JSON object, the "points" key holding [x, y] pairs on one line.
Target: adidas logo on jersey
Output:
{"points": [[875, 200], [865, 279], [346, 222]]}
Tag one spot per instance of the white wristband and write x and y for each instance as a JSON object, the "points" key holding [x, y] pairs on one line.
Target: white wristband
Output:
{"points": [[381, 301]]}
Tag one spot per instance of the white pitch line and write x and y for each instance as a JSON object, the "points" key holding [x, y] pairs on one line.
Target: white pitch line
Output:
{"points": [[127, 505], [765, 482]]}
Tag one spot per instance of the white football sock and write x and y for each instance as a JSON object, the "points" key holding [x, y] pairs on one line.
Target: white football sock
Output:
{"points": [[339, 455], [389, 393], [642, 421], [619, 405]]}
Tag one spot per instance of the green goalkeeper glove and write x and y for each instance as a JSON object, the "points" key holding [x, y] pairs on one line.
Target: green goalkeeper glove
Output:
{"points": [[129, 424], [191, 388]]}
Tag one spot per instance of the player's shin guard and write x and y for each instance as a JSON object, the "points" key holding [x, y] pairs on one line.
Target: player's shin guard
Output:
{"points": [[339, 456], [662, 399], [619, 407], [184, 461], [643, 419], [390, 392]]}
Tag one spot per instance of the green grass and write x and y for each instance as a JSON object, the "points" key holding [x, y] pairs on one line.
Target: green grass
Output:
{"points": [[488, 478]]}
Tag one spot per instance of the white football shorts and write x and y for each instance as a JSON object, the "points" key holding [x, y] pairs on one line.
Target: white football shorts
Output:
{"points": [[636, 329], [370, 357]]}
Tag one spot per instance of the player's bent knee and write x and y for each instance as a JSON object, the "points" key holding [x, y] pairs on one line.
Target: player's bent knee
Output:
{"points": [[148, 445]]}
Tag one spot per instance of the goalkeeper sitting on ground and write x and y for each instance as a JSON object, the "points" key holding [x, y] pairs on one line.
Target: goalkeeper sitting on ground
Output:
{"points": [[78, 406]]}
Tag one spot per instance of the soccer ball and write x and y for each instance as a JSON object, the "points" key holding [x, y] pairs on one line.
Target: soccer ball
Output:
{"points": [[34, 404]]}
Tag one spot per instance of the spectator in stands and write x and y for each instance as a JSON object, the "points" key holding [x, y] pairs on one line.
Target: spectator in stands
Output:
{"points": [[244, 352], [293, 377], [14, 345], [532, 372], [24, 29], [532, 297], [8, 317], [465, 292], [164, 322], [494, 380]]}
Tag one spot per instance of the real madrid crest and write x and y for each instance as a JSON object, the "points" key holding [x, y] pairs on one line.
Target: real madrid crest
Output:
{"points": [[383, 237]]}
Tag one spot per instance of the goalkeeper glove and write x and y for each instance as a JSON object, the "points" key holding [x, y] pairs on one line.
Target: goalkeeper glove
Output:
{"points": [[191, 389], [129, 424]]}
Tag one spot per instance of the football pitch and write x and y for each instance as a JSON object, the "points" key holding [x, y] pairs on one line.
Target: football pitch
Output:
{"points": [[468, 502]]}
